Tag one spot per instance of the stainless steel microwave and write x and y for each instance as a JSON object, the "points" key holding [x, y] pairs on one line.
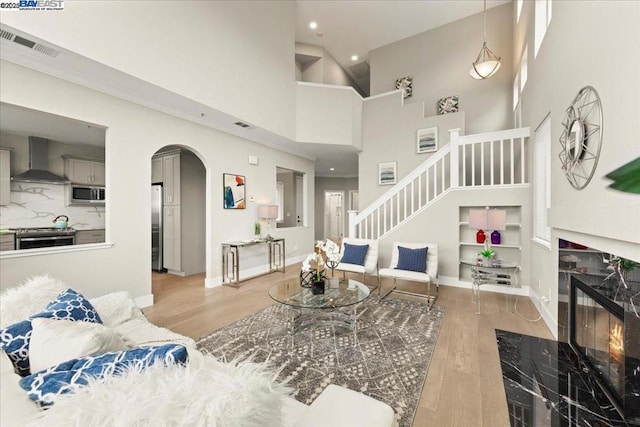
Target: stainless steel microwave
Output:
{"points": [[83, 195]]}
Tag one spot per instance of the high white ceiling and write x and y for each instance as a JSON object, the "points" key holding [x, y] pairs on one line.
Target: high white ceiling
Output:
{"points": [[359, 26]]}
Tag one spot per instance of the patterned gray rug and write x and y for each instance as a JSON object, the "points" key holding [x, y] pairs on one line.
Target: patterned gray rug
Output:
{"points": [[387, 358]]}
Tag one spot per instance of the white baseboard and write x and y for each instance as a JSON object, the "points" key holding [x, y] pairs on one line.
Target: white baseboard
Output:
{"points": [[144, 301], [552, 325], [251, 272], [454, 281]]}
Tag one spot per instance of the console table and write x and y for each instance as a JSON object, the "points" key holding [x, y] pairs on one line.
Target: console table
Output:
{"points": [[275, 249], [496, 273]]}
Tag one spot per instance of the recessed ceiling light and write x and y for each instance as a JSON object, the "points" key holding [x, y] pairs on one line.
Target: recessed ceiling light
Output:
{"points": [[354, 57], [313, 25], [332, 169]]}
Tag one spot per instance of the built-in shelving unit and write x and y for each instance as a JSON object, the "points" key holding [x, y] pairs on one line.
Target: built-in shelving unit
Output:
{"points": [[510, 248]]}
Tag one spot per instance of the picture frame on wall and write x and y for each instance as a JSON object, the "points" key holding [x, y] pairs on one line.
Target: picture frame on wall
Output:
{"points": [[233, 191], [450, 104], [387, 173], [406, 84], [427, 140]]}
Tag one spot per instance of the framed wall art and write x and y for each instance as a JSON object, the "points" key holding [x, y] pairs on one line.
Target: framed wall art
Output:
{"points": [[427, 140], [448, 105], [233, 191], [387, 173], [406, 84]]}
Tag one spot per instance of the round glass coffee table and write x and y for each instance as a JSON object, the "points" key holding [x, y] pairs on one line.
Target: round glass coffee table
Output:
{"points": [[336, 306]]}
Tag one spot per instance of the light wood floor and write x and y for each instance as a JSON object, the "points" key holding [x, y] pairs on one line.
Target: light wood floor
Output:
{"points": [[464, 383]]}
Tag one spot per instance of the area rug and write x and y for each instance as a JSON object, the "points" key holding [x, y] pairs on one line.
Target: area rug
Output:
{"points": [[387, 357]]}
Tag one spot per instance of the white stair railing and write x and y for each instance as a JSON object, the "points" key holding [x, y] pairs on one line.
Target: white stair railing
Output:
{"points": [[483, 160]]}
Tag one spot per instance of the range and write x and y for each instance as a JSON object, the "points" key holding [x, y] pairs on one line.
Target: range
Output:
{"points": [[44, 237]]}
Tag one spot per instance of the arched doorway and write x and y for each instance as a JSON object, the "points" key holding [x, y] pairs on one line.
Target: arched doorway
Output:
{"points": [[178, 212]]}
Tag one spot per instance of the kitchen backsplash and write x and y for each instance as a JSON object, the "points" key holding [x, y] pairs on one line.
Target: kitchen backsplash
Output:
{"points": [[36, 205]]}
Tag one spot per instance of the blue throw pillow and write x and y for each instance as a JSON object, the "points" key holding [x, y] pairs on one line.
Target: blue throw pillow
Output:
{"points": [[69, 305], [354, 254], [43, 386], [412, 259]]}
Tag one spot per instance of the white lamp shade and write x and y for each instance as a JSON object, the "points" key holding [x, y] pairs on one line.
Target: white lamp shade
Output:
{"points": [[478, 219], [268, 211], [496, 219], [484, 70]]}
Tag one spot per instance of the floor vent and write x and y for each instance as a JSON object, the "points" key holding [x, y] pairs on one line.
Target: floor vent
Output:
{"points": [[360, 70]]}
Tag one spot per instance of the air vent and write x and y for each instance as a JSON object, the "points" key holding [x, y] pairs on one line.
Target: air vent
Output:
{"points": [[360, 70], [46, 50], [242, 124], [6, 34], [38, 47]]}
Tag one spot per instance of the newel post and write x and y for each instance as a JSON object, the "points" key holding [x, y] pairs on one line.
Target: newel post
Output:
{"points": [[454, 134], [352, 224]]}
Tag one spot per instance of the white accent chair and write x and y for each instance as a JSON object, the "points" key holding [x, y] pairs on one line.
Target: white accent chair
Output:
{"points": [[429, 276], [370, 266]]}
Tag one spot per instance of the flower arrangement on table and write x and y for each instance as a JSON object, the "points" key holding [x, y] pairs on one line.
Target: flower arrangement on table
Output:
{"points": [[314, 264]]}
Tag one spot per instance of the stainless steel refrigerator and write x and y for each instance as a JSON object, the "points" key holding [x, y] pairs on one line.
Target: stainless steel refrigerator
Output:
{"points": [[156, 228]]}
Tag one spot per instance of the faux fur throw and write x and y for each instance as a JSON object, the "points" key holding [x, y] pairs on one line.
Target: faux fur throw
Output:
{"points": [[206, 392], [28, 298]]}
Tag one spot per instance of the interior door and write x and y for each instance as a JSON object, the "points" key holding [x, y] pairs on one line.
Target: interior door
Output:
{"points": [[334, 215], [299, 201]]}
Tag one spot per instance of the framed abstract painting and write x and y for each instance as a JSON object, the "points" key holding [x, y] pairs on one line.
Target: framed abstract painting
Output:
{"points": [[233, 191]]}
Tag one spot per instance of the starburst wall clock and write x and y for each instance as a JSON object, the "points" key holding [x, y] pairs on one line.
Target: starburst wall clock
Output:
{"points": [[581, 137]]}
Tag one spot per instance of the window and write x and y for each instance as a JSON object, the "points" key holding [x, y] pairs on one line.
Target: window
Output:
{"points": [[523, 68], [518, 9], [542, 20], [541, 182]]}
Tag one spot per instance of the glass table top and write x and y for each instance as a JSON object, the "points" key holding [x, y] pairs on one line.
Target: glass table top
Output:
{"points": [[494, 264], [347, 293]]}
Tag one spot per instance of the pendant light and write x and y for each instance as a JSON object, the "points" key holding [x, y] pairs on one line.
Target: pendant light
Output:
{"points": [[487, 63]]}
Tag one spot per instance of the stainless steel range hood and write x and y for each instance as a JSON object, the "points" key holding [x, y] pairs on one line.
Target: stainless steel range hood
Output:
{"points": [[38, 164]]}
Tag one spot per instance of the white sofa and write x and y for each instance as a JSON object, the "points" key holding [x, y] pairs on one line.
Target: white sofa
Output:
{"points": [[336, 406]]}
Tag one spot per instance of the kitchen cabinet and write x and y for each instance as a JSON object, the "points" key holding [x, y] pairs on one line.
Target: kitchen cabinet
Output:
{"points": [[7, 242], [171, 179], [172, 256], [156, 170], [84, 171], [5, 177], [84, 237]]}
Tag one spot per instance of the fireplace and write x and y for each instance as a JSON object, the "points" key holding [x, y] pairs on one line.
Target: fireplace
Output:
{"points": [[597, 334], [600, 330]]}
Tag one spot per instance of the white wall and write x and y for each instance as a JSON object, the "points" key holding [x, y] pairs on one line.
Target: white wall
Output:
{"points": [[595, 216], [234, 56], [389, 134], [439, 61], [328, 115], [193, 212], [134, 134]]}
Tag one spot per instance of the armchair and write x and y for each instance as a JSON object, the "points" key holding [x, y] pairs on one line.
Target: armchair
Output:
{"points": [[429, 275], [370, 266]]}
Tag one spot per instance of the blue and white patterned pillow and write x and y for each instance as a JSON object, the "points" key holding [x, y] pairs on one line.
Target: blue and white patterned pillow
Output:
{"points": [[69, 305], [45, 385]]}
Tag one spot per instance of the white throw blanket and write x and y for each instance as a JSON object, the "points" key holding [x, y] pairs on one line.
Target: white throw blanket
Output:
{"points": [[207, 392]]}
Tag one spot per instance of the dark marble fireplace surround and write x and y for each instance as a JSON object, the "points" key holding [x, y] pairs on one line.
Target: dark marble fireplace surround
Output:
{"points": [[548, 383]]}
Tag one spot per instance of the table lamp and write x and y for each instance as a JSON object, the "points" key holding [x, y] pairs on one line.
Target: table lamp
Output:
{"points": [[478, 220], [268, 212], [496, 221]]}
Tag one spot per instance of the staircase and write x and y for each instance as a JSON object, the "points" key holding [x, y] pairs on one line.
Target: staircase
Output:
{"points": [[494, 159]]}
